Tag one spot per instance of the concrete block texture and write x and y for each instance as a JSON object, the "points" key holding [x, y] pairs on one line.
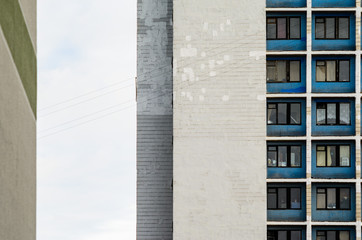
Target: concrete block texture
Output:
{"points": [[219, 120]]}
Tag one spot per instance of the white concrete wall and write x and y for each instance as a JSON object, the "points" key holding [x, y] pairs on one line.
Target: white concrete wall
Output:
{"points": [[219, 120]]}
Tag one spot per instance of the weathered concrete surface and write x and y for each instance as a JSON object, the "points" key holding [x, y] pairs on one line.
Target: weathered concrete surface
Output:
{"points": [[28, 8], [219, 120]]}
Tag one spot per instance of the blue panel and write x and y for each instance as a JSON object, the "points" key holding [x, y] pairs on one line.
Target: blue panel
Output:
{"points": [[275, 172], [334, 87], [335, 44], [289, 45], [285, 3], [333, 3], [289, 130], [333, 172], [333, 130], [289, 87], [352, 235], [333, 215], [289, 215], [290, 228]]}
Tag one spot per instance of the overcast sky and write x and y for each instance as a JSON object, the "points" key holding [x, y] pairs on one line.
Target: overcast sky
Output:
{"points": [[86, 120]]}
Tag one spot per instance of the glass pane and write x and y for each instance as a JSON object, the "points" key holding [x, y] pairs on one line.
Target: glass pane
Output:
{"points": [[282, 71], [282, 198], [321, 73], [331, 198], [282, 113], [272, 200], [331, 156], [321, 200], [294, 27], [331, 71], [295, 156], [319, 30], [282, 235], [344, 114], [331, 235], [344, 198], [295, 198], [294, 113], [343, 27], [294, 71], [282, 156], [321, 238], [343, 71], [295, 235], [282, 28], [271, 235], [271, 29], [343, 235], [330, 28], [344, 155], [272, 114], [331, 113], [272, 158], [321, 116], [321, 158]]}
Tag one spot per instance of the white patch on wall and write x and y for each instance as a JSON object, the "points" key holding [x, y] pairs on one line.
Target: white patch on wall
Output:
{"points": [[203, 54], [188, 38], [189, 51], [202, 66], [257, 54], [227, 57], [261, 97], [212, 74], [206, 26], [225, 98], [220, 62], [203, 90], [201, 98], [222, 28], [228, 22], [211, 64], [214, 33], [188, 75]]}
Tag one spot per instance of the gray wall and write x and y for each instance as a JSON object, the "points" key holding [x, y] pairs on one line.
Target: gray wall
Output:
{"points": [[154, 120]]}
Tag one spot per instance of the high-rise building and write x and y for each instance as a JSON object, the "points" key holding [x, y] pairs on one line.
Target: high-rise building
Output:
{"points": [[249, 119], [17, 119]]}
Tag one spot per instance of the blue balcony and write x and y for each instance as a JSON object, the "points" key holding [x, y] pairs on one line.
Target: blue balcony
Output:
{"points": [[286, 159], [286, 3], [336, 159], [333, 117], [333, 3], [291, 66], [338, 229], [292, 110], [334, 71], [326, 36], [292, 37], [340, 207]]}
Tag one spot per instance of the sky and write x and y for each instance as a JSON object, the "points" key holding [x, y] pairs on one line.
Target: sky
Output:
{"points": [[86, 146]]}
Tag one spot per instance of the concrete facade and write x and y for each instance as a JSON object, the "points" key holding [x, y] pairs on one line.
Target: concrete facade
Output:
{"points": [[18, 120]]}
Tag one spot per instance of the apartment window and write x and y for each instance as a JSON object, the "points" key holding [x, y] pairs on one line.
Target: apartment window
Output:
{"points": [[284, 156], [332, 28], [284, 198], [332, 71], [282, 28], [280, 71], [333, 235], [333, 114], [284, 235], [333, 198], [284, 113], [333, 155]]}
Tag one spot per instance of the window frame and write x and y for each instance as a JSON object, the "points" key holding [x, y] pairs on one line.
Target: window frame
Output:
{"points": [[336, 71], [287, 70], [288, 202], [288, 113], [338, 117], [336, 27], [338, 155], [337, 233], [287, 27], [337, 199], [274, 233], [288, 155]]}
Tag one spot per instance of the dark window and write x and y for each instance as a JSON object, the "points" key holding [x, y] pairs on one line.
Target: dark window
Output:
{"points": [[280, 71], [333, 235], [284, 235], [333, 114], [332, 28], [333, 198], [283, 28], [333, 155], [284, 156], [284, 198], [332, 70], [284, 113]]}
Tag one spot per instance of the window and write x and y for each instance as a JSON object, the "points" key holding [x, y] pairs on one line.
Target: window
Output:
{"points": [[332, 70], [283, 71], [284, 198], [284, 235], [333, 155], [333, 114], [333, 235], [284, 156], [284, 113], [282, 28], [333, 198], [332, 28]]}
